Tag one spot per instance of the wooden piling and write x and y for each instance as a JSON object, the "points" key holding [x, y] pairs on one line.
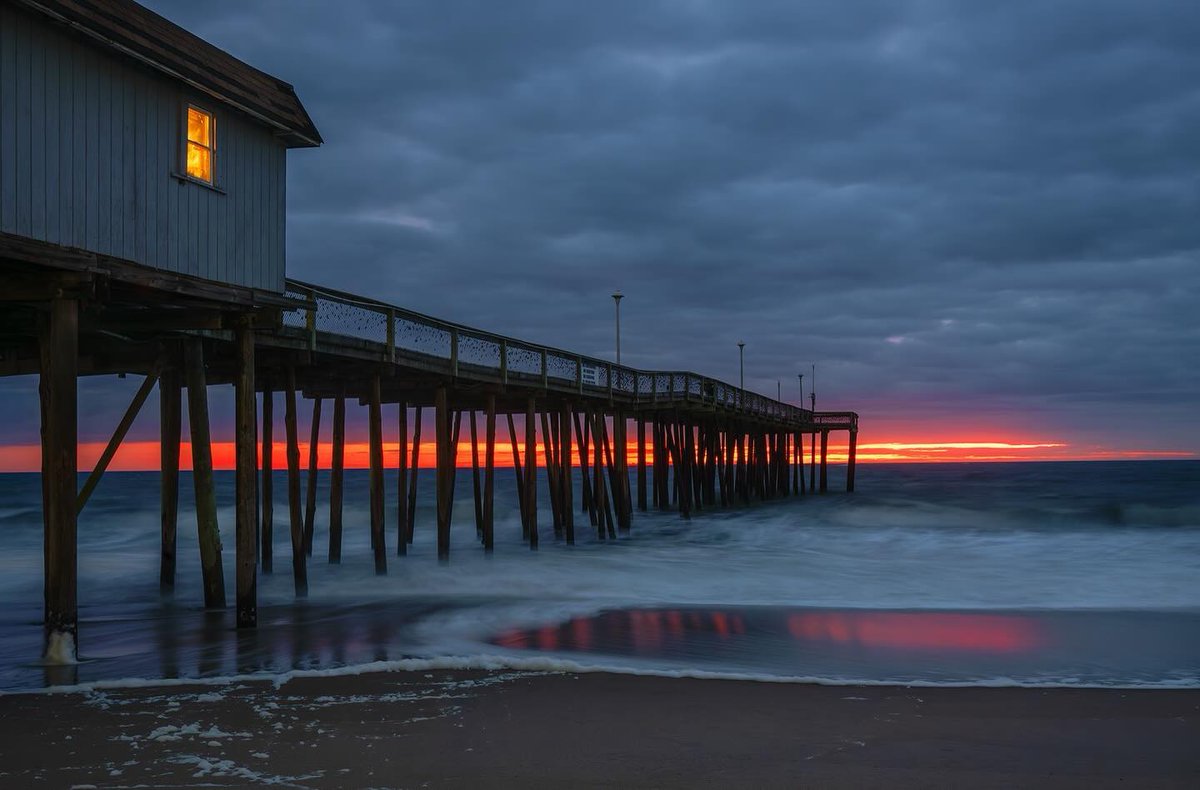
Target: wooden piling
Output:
{"points": [[170, 423], [267, 485], [812, 470], [412, 473], [519, 475], [621, 490], [549, 449], [59, 352], [531, 466], [402, 480], [245, 489], [582, 441], [310, 503], [299, 558], [564, 475], [489, 477], [475, 487], [824, 461], [641, 462], [202, 476], [375, 455], [444, 490], [850, 462], [337, 476]]}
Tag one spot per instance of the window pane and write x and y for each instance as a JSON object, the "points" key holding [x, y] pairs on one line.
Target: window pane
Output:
{"points": [[199, 162], [199, 127]]}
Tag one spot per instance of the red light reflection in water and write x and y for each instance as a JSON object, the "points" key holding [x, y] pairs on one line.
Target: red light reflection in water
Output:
{"points": [[650, 631], [918, 631]]}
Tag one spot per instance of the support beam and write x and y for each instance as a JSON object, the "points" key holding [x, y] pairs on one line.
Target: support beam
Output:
{"points": [[520, 477], [299, 558], [444, 485], [402, 480], [310, 499], [566, 485], [489, 478], [824, 461], [531, 466], [375, 453], [60, 425], [170, 414], [245, 489], [850, 462], [337, 476], [207, 531], [475, 482], [812, 469], [641, 462], [268, 483], [131, 413], [412, 474]]}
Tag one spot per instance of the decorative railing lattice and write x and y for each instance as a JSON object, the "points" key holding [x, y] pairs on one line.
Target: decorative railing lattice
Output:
{"points": [[466, 350]]}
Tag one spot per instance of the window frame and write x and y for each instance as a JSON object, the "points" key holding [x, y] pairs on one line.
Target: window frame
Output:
{"points": [[186, 141]]}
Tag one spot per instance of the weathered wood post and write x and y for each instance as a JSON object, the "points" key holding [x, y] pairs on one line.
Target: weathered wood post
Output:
{"points": [[475, 486], [489, 477], [641, 462], [412, 473], [824, 461], [402, 480], [375, 454], [582, 436], [202, 476], [621, 451], [245, 490], [519, 475], [170, 423], [549, 449], [812, 470], [444, 486], [564, 475], [531, 466], [59, 352], [310, 501], [850, 461], [337, 476], [299, 558], [267, 487]]}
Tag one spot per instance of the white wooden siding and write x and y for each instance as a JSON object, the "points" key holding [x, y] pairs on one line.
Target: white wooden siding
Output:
{"points": [[89, 149]]}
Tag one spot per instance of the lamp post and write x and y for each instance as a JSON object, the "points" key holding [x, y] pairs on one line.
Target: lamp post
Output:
{"points": [[813, 387], [742, 369], [617, 297], [801, 390]]}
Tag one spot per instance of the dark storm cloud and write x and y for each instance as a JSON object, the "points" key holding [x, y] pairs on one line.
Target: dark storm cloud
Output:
{"points": [[947, 206]]}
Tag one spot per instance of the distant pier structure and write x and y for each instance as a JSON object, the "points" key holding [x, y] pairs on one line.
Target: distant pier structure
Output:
{"points": [[142, 193]]}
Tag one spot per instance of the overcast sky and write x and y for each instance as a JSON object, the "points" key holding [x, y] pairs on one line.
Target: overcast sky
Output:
{"points": [[987, 213]]}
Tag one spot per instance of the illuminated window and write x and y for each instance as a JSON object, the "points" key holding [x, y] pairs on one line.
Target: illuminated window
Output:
{"points": [[201, 144]]}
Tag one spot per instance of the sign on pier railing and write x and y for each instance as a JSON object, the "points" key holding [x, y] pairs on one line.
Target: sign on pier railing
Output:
{"points": [[459, 349]]}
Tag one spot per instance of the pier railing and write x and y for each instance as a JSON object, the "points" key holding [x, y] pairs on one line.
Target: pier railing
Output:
{"points": [[458, 350]]}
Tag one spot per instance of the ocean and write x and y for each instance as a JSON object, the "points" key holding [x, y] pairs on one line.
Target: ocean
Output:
{"points": [[990, 574]]}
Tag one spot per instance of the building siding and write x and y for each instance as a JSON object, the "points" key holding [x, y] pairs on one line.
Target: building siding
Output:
{"points": [[90, 150]]}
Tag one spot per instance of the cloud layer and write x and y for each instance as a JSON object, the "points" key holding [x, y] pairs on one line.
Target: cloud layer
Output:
{"points": [[979, 213]]}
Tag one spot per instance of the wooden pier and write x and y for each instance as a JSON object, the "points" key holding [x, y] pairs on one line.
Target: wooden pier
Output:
{"points": [[697, 443], [145, 236]]}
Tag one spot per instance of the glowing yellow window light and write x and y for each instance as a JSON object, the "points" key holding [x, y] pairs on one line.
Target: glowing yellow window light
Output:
{"points": [[201, 144]]}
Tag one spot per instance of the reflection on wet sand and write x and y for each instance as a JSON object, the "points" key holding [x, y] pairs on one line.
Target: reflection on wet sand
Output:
{"points": [[661, 631]]}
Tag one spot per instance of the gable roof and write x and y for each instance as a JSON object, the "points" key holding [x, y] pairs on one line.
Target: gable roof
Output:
{"points": [[138, 32]]}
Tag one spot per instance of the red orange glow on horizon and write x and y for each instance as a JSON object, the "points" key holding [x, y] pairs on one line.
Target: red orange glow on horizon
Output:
{"points": [[138, 456]]}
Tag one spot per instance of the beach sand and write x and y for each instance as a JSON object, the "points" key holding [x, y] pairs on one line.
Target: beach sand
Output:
{"points": [[522, 729]]}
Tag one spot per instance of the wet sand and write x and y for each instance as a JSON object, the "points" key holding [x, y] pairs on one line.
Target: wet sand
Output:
{"points": [[521, 729]]}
